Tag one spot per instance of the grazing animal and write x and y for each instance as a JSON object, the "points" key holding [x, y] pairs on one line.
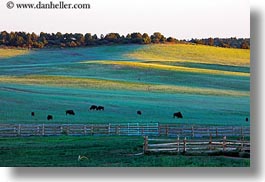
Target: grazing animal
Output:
{"points": [[70, 112], [139, 112], [99, 108], [32, 114], [246, 119], [49, 117], [93, 107], [178, 115]]}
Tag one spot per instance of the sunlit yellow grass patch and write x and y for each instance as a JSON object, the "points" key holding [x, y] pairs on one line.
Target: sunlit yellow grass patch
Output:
{"points": [[5, 53], [170, 68], [62, 81], [193, 53]]}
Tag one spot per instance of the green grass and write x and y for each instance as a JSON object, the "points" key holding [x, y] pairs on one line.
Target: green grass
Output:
{"points": [[193, 53], [7, 53], [209, 85], [170, 68], [65, 81], [115, 151], [120, 106]]}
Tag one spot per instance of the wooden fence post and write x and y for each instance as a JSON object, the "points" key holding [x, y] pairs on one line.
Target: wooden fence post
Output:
{"points": [[192, 130], [92, 130], [210, 142], [85, 129], [178, 144], [37, 130], [128, 129], [242, 143], [216, 132], [166, 130], [224, 143], [184, 145], [68, 130], [241, 132], [145, 144], [43, 129], [138, 129], [61, 128], [109, 129], [19, 130], [116, 130]]}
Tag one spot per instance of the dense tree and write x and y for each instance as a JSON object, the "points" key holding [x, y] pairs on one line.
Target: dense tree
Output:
{"points": [[211, 41], [146, 38], [20, 40], [112, 37], [23, 39], [88, 39], [157, 37], [136, 38], [80, 39], [171, 40], [232, 42]]}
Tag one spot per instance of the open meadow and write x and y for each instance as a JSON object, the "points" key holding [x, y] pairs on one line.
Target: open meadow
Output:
{"points": [[208, 85], [114, 151], [51, 81]]}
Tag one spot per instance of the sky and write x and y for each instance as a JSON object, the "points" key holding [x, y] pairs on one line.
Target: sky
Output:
{"points": [[182, 19]]}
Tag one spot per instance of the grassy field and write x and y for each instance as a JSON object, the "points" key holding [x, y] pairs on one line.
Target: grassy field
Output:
{"points": [[63, 81], [208, 85], [100, 151], [170, 68], [50, 81], [193, 53], [6, 53]]}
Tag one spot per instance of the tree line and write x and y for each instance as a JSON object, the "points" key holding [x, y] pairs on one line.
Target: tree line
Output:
{"points": [[232, 42], [32, 40]]}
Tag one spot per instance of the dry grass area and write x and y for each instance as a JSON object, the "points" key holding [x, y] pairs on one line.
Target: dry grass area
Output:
{"points": [[6, 53], [62, 81], [170, 68], [193, 53]]}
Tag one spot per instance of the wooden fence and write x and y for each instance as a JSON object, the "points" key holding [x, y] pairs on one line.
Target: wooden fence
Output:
{"points": [[127, 129], [194, 145]]}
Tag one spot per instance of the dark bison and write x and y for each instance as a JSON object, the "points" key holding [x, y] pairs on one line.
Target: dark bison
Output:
{"points": [[139, 112], [99, 108], [246, 119], [93, 107], [32, 113], [178, 115], [70, 112], [49, 117]]}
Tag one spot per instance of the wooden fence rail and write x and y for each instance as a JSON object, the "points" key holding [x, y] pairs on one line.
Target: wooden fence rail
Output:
{"points": [[128, 129], [194, 145]]}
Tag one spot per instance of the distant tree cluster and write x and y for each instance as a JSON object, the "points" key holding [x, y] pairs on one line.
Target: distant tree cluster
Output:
{"points": [[224, 42], [32, 40]]}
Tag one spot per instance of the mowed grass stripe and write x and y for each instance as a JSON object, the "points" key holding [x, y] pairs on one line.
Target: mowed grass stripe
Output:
{"points": [[193, 53], [6, 53], [170, 68], [73, 82]]}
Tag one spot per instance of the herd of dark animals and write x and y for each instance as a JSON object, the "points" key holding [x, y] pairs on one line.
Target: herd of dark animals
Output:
{"points": [[98, 108], [101, 108]]}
